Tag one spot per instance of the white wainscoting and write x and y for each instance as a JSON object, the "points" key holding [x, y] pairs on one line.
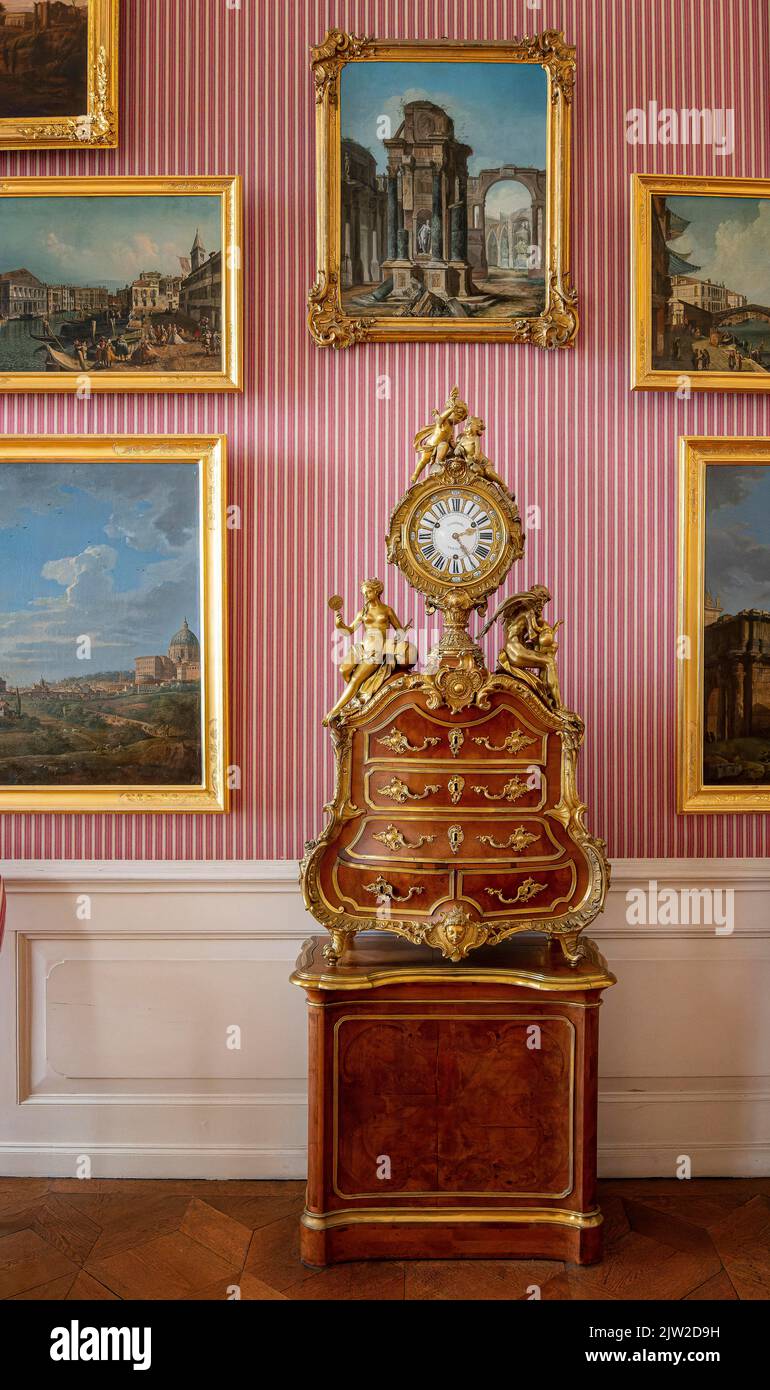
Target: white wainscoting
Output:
{"points": [[121, 985]]}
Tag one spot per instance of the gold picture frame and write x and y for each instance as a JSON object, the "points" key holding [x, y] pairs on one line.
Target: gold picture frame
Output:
{"points": [[556, 325], [649, 244], [230, 225], [694, 794], [97, 126], [206, 453]]}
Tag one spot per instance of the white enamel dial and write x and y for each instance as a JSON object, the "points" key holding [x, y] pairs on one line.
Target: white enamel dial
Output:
{"points": [[458, 536]]}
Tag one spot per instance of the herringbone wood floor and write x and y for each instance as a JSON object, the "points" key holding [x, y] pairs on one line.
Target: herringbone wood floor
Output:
{"points": [[65, 1239]]}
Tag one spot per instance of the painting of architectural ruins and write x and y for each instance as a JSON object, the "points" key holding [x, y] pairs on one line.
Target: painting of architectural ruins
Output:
{"points": [[736, 616], [711, 285], [100, 625], [43, 58], [111, 284], [443, 188]]}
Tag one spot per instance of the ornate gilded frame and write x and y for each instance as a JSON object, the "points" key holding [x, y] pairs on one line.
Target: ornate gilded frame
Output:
{"points": [[208, 452], [646, 377], [329, 324], [695, 454], [228, 190], [95, 128]]}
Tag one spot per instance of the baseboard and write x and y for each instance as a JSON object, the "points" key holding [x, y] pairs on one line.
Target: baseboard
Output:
{"points": [[91, 1064]]}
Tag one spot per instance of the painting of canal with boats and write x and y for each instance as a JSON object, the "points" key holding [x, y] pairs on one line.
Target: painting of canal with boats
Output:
{"points": [[102, 284]]}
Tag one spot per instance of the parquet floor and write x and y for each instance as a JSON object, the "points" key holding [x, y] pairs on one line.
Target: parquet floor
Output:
{"points": [[64, 1239]]}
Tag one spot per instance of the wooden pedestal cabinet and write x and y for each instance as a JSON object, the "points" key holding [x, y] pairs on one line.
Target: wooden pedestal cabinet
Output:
{"points": [[452, 1106]]}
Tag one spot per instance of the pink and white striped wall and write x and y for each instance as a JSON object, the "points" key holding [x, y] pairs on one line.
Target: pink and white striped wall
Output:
{"points": [[317, 459]]}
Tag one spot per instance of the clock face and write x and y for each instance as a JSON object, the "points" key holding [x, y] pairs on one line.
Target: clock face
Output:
{"points": [[458, 536]]}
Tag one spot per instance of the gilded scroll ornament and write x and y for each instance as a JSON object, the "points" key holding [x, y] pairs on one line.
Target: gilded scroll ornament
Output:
{"points": [[395, 839], [512, 743], [400, 792], [455, 835], [380, 888], [526, 890], [513, 789], [518, 840], [398, 742]]}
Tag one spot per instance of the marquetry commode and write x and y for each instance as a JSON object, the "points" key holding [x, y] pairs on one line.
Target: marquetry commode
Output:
{"points": [[452, 1107]]}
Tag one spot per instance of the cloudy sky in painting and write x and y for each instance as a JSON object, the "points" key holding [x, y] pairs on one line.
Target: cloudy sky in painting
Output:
{"points": [[738, 535], [104, 550], [104, 241], [499, 109], [729, 238]]}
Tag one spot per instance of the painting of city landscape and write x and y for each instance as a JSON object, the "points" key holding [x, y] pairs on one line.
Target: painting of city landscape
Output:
{"points": [[43, 58], [710, 288], [113, 286], [736, 618], [100, 625], [443, 189]]}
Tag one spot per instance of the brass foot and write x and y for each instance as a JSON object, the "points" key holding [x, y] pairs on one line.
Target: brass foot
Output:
{"points": [[572, 946], [334, 948]]}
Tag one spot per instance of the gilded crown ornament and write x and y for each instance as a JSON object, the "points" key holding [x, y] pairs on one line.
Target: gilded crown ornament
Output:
{"points": [[415, 743]]}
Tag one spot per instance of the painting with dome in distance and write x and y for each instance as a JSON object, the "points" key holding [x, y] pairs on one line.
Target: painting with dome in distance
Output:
{"points": [[111, 614]]}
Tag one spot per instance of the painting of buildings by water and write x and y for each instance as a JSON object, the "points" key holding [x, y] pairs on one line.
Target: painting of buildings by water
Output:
{"points": [[711, 285], [43, 58], [443, 189], [100, 625], [736, 616], [111, 285]]}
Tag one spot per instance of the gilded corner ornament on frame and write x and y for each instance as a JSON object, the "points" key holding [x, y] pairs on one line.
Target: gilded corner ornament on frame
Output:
{"points": [[59, 75], [723, 667], [421, 235], [113, 660]]}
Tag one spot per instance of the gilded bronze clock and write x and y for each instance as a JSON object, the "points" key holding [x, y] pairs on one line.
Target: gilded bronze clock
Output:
{"points": [[456, 820]]}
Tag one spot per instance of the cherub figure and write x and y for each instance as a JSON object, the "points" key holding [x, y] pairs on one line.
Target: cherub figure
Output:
{"points": [[530, 641], [367, 664], [469, 446], [434, 442]]}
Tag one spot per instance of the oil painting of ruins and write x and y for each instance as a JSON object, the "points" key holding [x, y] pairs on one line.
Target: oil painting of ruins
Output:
{"points": [[101, 625], [736, 632], [443, 189], [43, 58]]}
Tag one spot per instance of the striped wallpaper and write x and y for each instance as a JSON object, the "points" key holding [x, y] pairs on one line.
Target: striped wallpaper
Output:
{"points": [[318, 458]]}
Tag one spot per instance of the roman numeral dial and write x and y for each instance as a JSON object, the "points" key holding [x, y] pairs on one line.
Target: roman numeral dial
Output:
{"points": [[458, 536]]}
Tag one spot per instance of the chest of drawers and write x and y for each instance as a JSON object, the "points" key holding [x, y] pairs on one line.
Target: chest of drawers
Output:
{"points": [[456, 827]]}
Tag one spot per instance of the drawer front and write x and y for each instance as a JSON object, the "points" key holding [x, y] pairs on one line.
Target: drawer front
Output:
{"points": [[465, 839], [444, 788], [501, 737], [539, 891], [375, 890]]}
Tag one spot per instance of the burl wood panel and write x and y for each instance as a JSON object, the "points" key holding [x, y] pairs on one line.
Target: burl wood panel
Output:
{"points": [[457, 1105]]}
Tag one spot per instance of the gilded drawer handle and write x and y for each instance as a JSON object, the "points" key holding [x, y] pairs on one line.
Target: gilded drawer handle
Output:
{"points": [[400, 792], [518, 840], [455, 788], [514, 743], [394, 839], [513, 789], [455, 835], [456, 741], [399, 743], [382, 889], [525, 890]]}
